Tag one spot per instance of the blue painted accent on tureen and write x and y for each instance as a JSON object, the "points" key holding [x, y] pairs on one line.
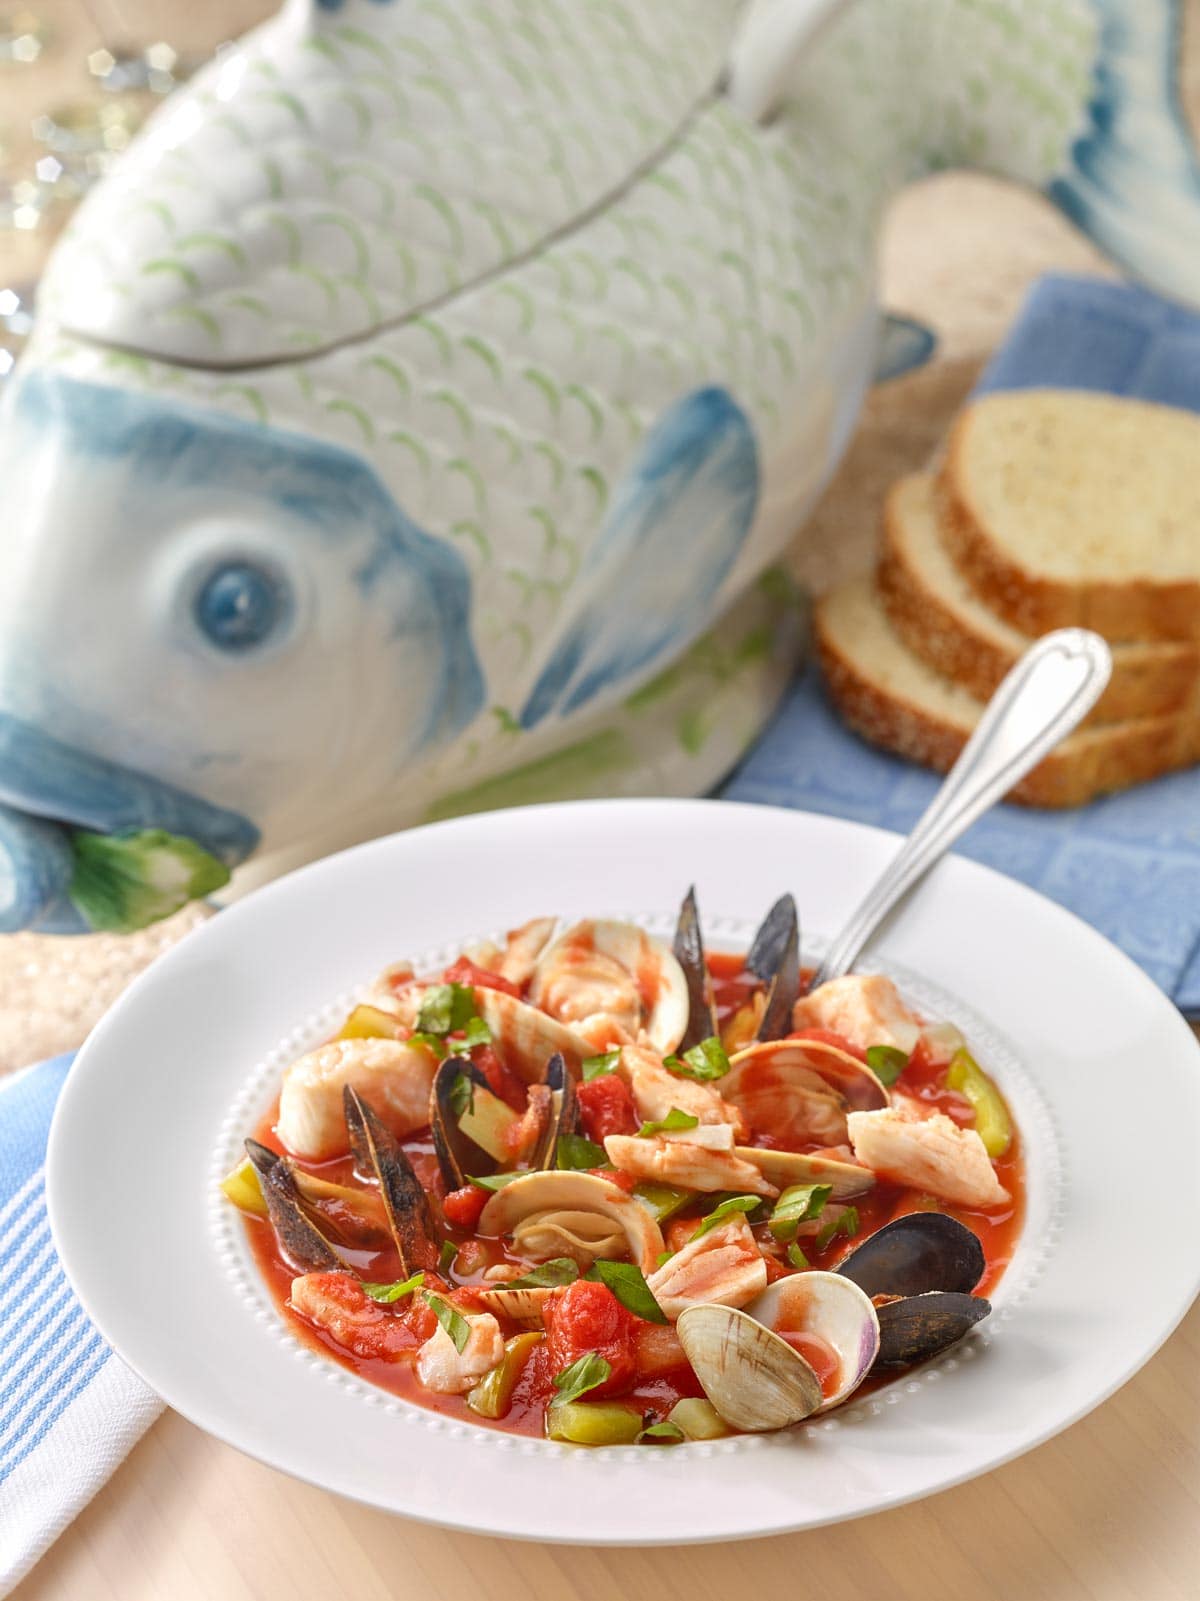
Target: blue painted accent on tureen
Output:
{"points": [[1134, 183], [678, 520]]}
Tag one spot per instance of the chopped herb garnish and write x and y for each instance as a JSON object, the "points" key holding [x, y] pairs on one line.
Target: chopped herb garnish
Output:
{"points": [[796, 1256], [476, 1033], [574, 1152], [665, 1256], [728, 1208], [703, 1062], [431, 1042], [462, 1095], [582, 1376], [887, 1062], [549, 1275], [394, 1292], [674, 1123], [845, 1223], [628, 1283], [799, 1203], [446, 1259], [495, 1181], [455, 1325], [597, 1066], [666, 1430], [446, 1009]]}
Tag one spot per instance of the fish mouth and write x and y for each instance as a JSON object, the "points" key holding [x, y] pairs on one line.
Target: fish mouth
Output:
{"points": [[48, 788]]}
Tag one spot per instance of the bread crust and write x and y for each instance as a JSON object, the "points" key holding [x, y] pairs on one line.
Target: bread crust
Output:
{"points": [[1095, 762], [1129, 609], [1149, 679]]}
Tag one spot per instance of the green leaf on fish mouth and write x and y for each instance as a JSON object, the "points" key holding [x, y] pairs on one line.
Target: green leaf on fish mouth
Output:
{"points": [[124, 881]]}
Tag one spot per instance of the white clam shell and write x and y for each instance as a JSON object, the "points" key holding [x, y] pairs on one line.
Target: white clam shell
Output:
{"points": [[833, 1307], [648, 966]]}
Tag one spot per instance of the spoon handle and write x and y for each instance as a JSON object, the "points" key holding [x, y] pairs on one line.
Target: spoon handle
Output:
{"points": [[1042, 698]]}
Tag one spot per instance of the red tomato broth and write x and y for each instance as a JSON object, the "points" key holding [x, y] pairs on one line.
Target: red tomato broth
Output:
{"points": [[998, 1231]]}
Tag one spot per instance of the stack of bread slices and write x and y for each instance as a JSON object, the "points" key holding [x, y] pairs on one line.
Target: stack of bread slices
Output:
{"points": [[1049, 508]]}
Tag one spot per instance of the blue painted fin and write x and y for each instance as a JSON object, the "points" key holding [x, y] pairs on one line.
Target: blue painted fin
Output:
{"points": [[1134, 180], [904, 345], [678, 520]]}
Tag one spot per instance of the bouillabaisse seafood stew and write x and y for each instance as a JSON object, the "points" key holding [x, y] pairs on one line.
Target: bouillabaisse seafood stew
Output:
{"points": [[581, 1185]]}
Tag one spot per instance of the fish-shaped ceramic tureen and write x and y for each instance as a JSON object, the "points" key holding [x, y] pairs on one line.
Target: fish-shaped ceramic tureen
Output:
{"points": [[418, 413]]}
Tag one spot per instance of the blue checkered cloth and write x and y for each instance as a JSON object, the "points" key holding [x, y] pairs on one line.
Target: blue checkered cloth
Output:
{"points": [[1128, 864]]}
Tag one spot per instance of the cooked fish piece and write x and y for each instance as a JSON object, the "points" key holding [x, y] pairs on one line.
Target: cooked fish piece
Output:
{"points": [[724, 1266], [393, 1076], [691, 1167], [930, 1153], [449, 1371], [864, 1008], [337, 1303]]}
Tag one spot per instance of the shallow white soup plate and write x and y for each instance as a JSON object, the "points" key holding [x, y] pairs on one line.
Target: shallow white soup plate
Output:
{"points": [[1101, 1072]]}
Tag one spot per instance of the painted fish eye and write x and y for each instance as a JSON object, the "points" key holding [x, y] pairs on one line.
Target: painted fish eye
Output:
{"points": [[240, 605]]}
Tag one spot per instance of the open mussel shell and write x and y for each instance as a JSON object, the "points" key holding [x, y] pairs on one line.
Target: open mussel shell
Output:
{"points": [[774, 957], [931, 1263], [918, 1327], [689, 953], [459, 1158], [378, 1155], [917, 1253], [301, 1241], [562, 1113], [758, 1381]]}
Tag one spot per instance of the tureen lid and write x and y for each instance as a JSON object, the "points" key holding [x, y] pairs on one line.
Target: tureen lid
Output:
{"points": [[350, 166]]}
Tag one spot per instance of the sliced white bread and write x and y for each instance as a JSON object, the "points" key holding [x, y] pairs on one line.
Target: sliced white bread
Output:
{"points": [[1068, 507], [943, 621], [895, 700]]}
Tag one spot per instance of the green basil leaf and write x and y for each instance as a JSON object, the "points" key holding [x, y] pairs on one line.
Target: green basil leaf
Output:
{"points": [[799, 1203], [394, 1292], [477, 1033], [549, 1275], [704, 1062], [432, 1042], [628, 1283], [584, 1375], [597, 1066], [573, 1153], [845, 1223], [674, 1122], [495, 1181], [462, 1095], [887, 1062], [446, 1259], [455, 1325], [796, 1256], [665, 1256], [666, 1430], [446, 1009], [727, 1209]]}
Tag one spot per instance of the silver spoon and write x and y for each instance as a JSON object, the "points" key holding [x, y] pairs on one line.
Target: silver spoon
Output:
{"points": [[1049, 691]]}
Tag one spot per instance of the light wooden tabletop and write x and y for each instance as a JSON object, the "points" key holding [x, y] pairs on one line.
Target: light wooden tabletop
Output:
{"points": [[1109, 1511]]}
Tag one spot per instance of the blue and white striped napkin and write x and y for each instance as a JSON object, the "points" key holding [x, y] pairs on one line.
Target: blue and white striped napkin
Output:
{"points": [[69, 1408]]}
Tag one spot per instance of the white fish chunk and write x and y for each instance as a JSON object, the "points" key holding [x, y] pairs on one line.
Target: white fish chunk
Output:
{"points": [[930, 1153], [394, 1077], [864, 1008], [723, 1267], [449, 1371]]}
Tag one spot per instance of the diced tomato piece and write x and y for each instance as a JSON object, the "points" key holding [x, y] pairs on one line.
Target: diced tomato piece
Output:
{"points": [[420, 1317], [462, 1207], [502, 1081], [587, 1317], [827, 1036], [606, 1107], [473, 1256], [464, 971], [614, 1175]]}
